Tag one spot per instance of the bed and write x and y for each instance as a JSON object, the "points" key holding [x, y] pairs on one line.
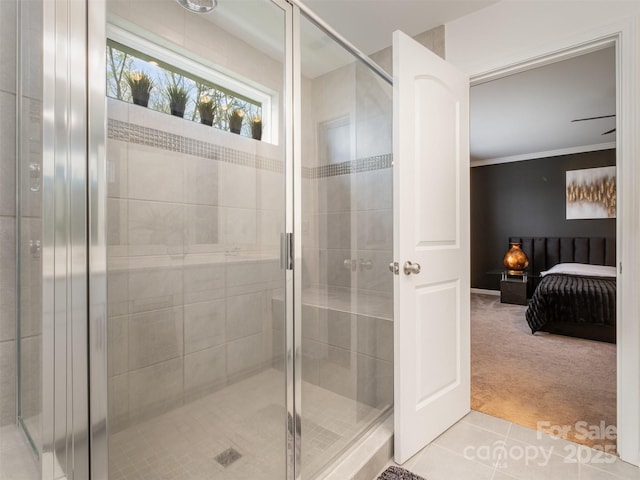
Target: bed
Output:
{"points": [[572, 287]]}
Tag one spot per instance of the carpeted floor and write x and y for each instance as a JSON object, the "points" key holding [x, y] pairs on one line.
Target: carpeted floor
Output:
{"points": [[527, 379]]}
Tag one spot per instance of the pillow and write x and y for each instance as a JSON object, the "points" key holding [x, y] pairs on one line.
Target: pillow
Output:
{"points": [[581, 269]]}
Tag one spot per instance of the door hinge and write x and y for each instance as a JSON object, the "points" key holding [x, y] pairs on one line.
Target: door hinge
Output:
{"points": [[286, 251], [620, 268]]}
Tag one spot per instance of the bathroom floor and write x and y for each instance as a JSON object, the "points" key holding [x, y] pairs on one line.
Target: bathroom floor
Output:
{"points": [[247, 417], [481, 447]]}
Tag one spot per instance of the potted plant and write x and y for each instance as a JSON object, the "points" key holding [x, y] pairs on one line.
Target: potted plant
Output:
{"points": [[235, 120], [177, 99], [207, 110], [256, 127], [140, 84]]}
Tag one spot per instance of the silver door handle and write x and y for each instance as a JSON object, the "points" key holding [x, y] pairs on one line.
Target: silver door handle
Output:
{"points": [[394, 268], [410, 268]]}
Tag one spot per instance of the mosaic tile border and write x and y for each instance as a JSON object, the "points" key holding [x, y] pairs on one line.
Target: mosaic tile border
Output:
{"points": [[151, 137], [367, 164]]}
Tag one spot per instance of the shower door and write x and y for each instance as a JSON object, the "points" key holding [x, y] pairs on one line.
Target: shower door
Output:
{"points": [[346, 290], [195, 213]]}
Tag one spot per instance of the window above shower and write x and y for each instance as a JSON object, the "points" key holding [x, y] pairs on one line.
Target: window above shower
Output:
{"points": [[181, 84]]}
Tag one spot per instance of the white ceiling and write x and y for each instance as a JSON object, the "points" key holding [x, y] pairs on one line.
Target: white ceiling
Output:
{"points": [[369, 24], [531, 112]]}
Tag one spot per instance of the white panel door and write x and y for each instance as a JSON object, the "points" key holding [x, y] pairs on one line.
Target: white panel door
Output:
{"points": [[431, 229]]}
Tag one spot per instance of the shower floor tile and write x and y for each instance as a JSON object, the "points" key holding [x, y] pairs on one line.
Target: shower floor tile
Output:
{"points": [[249, 417], [16, 460]]}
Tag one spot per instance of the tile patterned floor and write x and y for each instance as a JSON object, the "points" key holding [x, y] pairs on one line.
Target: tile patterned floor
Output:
{"points": [[249, 417], [16, 460], [183, 444], [480, 447]]}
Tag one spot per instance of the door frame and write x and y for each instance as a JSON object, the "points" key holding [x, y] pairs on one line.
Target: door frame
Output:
{"points": [[624, 37]]}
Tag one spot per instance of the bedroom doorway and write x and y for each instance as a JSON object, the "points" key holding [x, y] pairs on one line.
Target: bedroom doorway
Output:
{"points": [[517, 188]]}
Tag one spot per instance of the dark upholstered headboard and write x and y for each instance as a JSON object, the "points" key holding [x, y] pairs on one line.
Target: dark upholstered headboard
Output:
{"points": [[545, 252]]}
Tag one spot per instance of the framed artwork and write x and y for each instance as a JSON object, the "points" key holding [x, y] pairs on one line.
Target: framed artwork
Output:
{"points": [[591, 193]]}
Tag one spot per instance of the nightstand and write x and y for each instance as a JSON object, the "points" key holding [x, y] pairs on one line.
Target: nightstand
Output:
{"points": [[513, 289]]}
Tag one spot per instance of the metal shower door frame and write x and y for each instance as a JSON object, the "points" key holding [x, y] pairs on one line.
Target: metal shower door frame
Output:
{"points": [[97, 241], [65, 436]]}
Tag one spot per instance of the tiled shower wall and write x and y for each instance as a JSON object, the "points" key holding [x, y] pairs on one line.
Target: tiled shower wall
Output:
{"points": [[347, 234], [348, 238], [348, 230], [347, 316], [7, 213], [195, 216], [30, 160]]}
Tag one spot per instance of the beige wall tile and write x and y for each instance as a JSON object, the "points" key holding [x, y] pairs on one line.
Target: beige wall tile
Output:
{"points": [[118, 402], [155, 336], [205, 369], [237, 186], [244, 355], [240, 226], [155, 174], [155, 288], [8, 151], [201, 180], [204, 325], [118, 350], [7, 382], [153, 388], [201, 226], [155, 224], [206, 280], [7, 278], [8, 50], [244, 315]]}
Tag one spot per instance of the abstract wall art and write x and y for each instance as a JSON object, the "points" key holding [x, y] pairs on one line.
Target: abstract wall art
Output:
{"points": [[591, 193]]}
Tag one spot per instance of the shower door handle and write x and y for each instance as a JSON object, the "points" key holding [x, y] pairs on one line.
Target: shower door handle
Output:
{"points": [[286, 251]]}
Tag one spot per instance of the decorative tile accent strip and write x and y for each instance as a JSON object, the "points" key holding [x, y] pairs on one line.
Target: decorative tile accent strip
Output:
{"points": [[151, 137], [367, 164]]}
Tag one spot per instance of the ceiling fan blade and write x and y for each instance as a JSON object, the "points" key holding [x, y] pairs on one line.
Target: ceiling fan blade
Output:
{"points": [[610, 131], [593, 118]]}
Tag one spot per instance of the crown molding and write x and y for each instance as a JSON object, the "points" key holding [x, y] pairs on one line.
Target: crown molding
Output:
{"points": [[547, 154]]}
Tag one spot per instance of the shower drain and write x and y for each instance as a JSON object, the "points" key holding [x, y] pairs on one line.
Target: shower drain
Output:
{"points": [[227, 457]]}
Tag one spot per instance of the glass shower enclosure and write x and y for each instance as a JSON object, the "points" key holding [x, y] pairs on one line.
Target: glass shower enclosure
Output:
{"points": [[195, 349], [204, 235]]}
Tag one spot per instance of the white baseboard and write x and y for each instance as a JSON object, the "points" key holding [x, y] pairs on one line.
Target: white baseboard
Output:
{"points": [[486, 292]]}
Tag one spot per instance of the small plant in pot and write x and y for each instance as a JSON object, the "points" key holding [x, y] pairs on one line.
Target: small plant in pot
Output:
{"points": [[178, 97], [235, 120], [206, 109], [140, 84], [256, 127]]}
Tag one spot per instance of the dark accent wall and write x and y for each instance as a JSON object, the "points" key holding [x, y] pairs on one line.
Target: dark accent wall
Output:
{"points": [[526, 199]]}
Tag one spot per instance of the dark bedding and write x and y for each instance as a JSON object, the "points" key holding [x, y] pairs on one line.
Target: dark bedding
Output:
{"points": [[566, 303]]}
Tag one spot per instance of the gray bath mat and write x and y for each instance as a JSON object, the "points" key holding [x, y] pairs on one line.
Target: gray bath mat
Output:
{"points": [[397, 473]]}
